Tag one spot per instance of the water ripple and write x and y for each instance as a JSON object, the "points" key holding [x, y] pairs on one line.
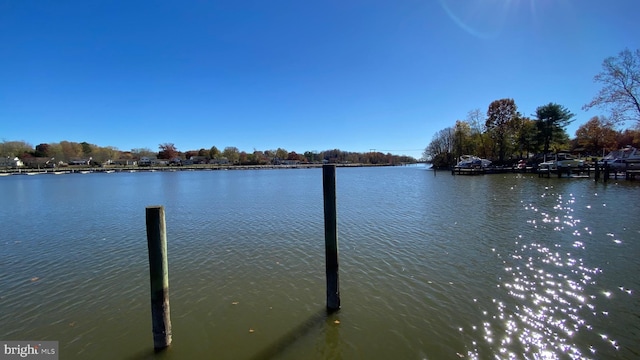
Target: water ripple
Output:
{"points": [[552, 293], [431, 266]]}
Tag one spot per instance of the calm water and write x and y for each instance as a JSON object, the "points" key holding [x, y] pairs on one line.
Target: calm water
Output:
{"points": [[431, 267]]}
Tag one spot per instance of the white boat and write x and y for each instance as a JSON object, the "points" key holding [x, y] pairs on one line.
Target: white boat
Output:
{"points": [[628, 152], [5, 174], [471, 161], [563, 160], [109, 171], [625, 158]]}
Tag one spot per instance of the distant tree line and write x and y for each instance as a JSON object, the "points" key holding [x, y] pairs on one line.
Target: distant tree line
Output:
{"points": [[67, 152], [504, 135]]}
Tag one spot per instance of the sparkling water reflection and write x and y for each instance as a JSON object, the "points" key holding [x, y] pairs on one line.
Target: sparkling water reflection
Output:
{"points": [[549, 297]]}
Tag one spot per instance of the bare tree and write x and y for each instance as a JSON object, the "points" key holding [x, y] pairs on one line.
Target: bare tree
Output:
{"points": [[621, 79], [440, 149], [477, 121]]}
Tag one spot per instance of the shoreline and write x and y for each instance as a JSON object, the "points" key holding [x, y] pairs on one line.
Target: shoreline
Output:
{"points": [[199, 167]]}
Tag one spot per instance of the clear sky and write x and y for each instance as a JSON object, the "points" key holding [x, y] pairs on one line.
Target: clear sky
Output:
{"points": [[301, 75]]}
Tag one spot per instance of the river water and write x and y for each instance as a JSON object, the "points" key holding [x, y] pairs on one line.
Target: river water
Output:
{"points": [[432, 266]]}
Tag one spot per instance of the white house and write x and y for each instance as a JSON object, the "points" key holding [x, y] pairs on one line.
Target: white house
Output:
{"points": [[11, 162]]}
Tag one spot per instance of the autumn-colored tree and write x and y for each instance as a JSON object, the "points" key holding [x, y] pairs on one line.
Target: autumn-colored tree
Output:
{"points": [[126, 155], [621, 91], [190, 153], [15, 148], [596, 135], [69, 150], [259, 158], [232, 154], [243, 157], [501, 125], [294, 156], [103, 154], [167, 151], [42, 150], [281, 153], [628, 137]]}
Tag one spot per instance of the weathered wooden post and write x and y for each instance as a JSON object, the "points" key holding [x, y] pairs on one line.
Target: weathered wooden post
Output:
{"points": [[159, 272], [331, 236]]}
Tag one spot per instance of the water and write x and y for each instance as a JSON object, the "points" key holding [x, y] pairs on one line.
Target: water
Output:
{"points": [[431, 267]]}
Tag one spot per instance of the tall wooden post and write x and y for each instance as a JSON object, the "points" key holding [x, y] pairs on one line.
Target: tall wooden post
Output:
{"points": [[331, 236], [159, 272]]}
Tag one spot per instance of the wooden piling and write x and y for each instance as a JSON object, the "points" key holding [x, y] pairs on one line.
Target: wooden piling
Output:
{"points": [[331, 236], [159, 273]]}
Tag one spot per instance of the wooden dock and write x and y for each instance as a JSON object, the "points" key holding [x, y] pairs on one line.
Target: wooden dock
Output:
{"points": [[596, 172], [467, 171]]}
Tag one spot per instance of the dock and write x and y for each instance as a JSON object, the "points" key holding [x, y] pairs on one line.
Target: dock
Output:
{"points": [[596, 172]]}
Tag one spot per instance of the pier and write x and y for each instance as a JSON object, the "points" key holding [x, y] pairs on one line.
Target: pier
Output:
{"points": [[598, 172]]}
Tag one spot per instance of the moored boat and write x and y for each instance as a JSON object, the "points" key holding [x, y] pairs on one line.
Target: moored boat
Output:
{"points": [[562, 160], [625, 158], [471, 161]]}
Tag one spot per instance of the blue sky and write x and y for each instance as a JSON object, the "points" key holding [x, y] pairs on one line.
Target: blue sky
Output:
{"points": [[302, 75]]}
